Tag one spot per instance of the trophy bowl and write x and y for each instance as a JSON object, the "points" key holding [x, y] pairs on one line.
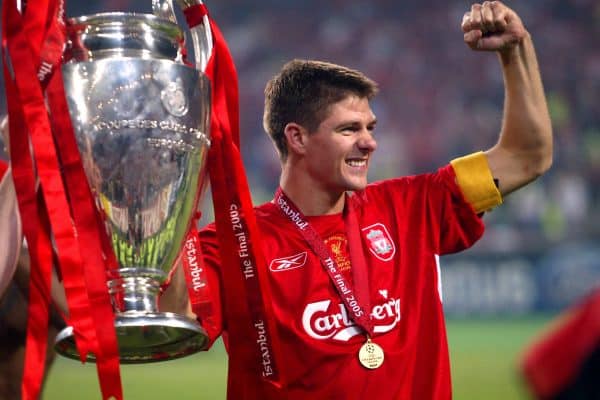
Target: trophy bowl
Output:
{"points": [[141, 121]]}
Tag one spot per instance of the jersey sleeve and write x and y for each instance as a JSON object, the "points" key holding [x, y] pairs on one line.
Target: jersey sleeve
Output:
{"points": [[460, 224], [213, 320]]}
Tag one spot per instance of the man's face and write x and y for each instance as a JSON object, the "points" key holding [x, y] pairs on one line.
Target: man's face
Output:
{"points": [[338, 152]]}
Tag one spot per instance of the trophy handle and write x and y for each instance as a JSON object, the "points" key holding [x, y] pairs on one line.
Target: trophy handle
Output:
{"points": [[164, 9], [201, 34]]}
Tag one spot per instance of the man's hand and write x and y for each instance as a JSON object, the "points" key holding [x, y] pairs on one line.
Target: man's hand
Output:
{"points": [[492, 26]]}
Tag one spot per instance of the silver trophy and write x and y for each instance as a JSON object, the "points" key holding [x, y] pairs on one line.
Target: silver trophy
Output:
{"points": [[141, 121]]}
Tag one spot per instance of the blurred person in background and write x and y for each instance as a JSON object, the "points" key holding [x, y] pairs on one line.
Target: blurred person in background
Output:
{"points": [[354, 267], [563, 362]]}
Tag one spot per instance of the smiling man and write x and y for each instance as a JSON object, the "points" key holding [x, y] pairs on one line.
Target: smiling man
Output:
{"points": [[354, 267], [328, 145]]}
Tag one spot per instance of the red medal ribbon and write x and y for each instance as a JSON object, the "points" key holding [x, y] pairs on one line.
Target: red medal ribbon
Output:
{"points": [[355, 296], [357, 259]]}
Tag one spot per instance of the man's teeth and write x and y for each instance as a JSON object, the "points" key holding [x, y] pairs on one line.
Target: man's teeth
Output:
{"points": [[356, 163]]}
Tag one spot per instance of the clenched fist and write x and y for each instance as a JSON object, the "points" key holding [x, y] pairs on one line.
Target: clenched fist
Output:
{"points": [[492, 26]]}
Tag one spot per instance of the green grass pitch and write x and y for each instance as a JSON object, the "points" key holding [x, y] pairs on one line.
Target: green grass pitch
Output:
{"points": [[484, 357]]}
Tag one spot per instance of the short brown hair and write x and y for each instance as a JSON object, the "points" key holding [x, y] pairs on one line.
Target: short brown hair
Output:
{"points": [[303, 91]]}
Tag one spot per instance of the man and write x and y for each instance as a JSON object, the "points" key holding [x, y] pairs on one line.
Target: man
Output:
{"points": [[353, 267]]}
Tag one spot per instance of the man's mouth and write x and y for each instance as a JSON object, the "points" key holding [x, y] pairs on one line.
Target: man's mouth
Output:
{"points": [[355, 162]]}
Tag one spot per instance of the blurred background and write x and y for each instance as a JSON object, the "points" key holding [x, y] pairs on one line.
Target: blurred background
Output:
{"points": [[438, 100]]}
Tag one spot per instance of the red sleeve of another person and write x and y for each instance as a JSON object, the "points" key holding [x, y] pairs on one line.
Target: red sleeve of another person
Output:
{"points": [[556, 361]]}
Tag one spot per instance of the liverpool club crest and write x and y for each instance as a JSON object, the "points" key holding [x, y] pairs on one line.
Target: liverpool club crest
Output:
{"points": [[379, 241]]}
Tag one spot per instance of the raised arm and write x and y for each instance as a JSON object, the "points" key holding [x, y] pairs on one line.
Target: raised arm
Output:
{"points": [[524, 149]]}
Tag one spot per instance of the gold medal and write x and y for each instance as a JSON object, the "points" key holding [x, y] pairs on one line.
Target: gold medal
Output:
{"points": [[370, 355]]}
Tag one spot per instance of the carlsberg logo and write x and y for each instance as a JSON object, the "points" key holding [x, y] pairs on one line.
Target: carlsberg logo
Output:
{"points": [[320, 321]]}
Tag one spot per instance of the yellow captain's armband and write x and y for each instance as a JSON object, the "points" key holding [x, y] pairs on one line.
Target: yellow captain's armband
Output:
{"points": [[476, 182]]}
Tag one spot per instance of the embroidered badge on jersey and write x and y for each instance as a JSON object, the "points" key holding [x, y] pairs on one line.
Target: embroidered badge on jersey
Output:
{"points": [[379, 241], [288, 263], [338, 245]]}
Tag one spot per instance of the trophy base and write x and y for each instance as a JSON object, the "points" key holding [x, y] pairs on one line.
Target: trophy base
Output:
{"points": [[145, 338]]}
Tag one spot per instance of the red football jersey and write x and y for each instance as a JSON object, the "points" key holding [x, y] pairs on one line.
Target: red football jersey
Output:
{"points": [[405, 224]]}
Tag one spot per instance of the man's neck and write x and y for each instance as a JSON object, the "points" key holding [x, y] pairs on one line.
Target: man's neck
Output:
{"points": [[309, 197]]}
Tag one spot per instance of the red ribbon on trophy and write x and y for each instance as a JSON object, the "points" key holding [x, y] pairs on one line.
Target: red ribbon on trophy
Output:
{"points": [[62, 211], [59, 214], [195, 276], [253, 344]]}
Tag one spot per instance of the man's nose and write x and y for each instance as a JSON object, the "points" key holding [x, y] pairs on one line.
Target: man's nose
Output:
{"points": [[367, 141]]}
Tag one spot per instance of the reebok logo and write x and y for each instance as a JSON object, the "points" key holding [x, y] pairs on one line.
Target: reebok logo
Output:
{"points": [[288, 263]]}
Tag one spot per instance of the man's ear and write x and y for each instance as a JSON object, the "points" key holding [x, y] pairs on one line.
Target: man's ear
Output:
{"points": [[295, 135]]}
